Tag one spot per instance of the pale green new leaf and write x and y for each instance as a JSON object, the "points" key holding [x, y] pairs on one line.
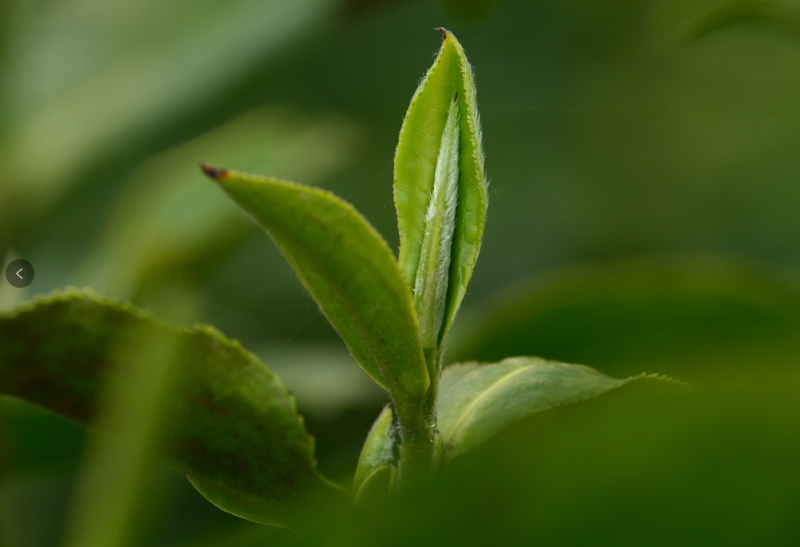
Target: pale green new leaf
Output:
{"points": [[378, 450], [416, 158], [433, 272], [478, 401], [231, 426], [350, 271], [376, 485]]}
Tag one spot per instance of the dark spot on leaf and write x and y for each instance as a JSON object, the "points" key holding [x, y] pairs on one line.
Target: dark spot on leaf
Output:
{"points": [[213, 172]]}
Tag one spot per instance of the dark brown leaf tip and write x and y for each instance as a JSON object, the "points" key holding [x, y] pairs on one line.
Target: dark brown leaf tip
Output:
{"points": [[444, 32], [213, 172], [455, 99]]}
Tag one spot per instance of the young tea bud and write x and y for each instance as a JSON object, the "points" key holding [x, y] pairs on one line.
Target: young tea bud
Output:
{"points": [[433, 271], [440, 194]]}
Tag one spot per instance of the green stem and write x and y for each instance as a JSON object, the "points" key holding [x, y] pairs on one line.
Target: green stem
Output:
{"points": [[416, 455], [418, 439]]}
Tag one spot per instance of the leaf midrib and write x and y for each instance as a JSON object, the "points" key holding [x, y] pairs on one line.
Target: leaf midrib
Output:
{"points": [[471, 407]]}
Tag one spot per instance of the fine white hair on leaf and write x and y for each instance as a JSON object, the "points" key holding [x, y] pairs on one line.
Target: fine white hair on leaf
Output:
{"points": [[432, 279]]}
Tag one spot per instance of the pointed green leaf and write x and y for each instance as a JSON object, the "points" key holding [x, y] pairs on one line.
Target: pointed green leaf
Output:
{"points": [[350, 271], [232, 426], [478, 401], [378, 449], [165, 221], [417, 156], [376, 485]]}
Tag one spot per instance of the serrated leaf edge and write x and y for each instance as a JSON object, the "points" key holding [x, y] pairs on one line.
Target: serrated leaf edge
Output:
{"points": [[71, 294]]}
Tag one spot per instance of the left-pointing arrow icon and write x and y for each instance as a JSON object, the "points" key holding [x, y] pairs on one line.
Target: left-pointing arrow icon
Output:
{"points": [[14, 272]]}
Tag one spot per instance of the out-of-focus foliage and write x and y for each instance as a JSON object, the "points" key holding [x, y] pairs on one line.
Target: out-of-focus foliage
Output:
{"points": [[231, 425], [640, 466], [469, 10], [718, 16], [697, 320], [114, 483], [609, 135], [165, 222], [122, 71]]}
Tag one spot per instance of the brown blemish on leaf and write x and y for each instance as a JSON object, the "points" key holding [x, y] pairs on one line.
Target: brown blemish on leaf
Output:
{"points": [[213, 172]]}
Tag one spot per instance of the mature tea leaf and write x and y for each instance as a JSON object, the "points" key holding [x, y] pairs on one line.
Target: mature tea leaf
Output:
{"points": [[478, 401], [232, 426], [415, 162], [686, 318], [378, 449], [115, 479], [643, 465], [351, 273]]}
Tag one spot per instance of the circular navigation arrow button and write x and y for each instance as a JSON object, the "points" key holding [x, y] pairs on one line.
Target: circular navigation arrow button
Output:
{"points": [[20, 273]]}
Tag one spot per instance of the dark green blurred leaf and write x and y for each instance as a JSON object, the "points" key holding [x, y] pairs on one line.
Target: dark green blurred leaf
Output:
{"points": [[233, 427], [640, 466], [470, 10], [378, 449], [479, 401], [348, 268], [415, 165], [115, 482], [240, 534], [776, 14], [687, 319]]}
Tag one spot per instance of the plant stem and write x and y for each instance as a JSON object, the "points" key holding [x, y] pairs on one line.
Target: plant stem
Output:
{"points": [[416, 455], [418, 446]]}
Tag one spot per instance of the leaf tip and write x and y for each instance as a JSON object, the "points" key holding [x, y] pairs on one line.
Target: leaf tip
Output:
{"points": [[444, 32], [213, 172]]}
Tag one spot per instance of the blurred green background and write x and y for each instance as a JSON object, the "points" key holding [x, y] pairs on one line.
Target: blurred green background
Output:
{"points": [[644, 216]]}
